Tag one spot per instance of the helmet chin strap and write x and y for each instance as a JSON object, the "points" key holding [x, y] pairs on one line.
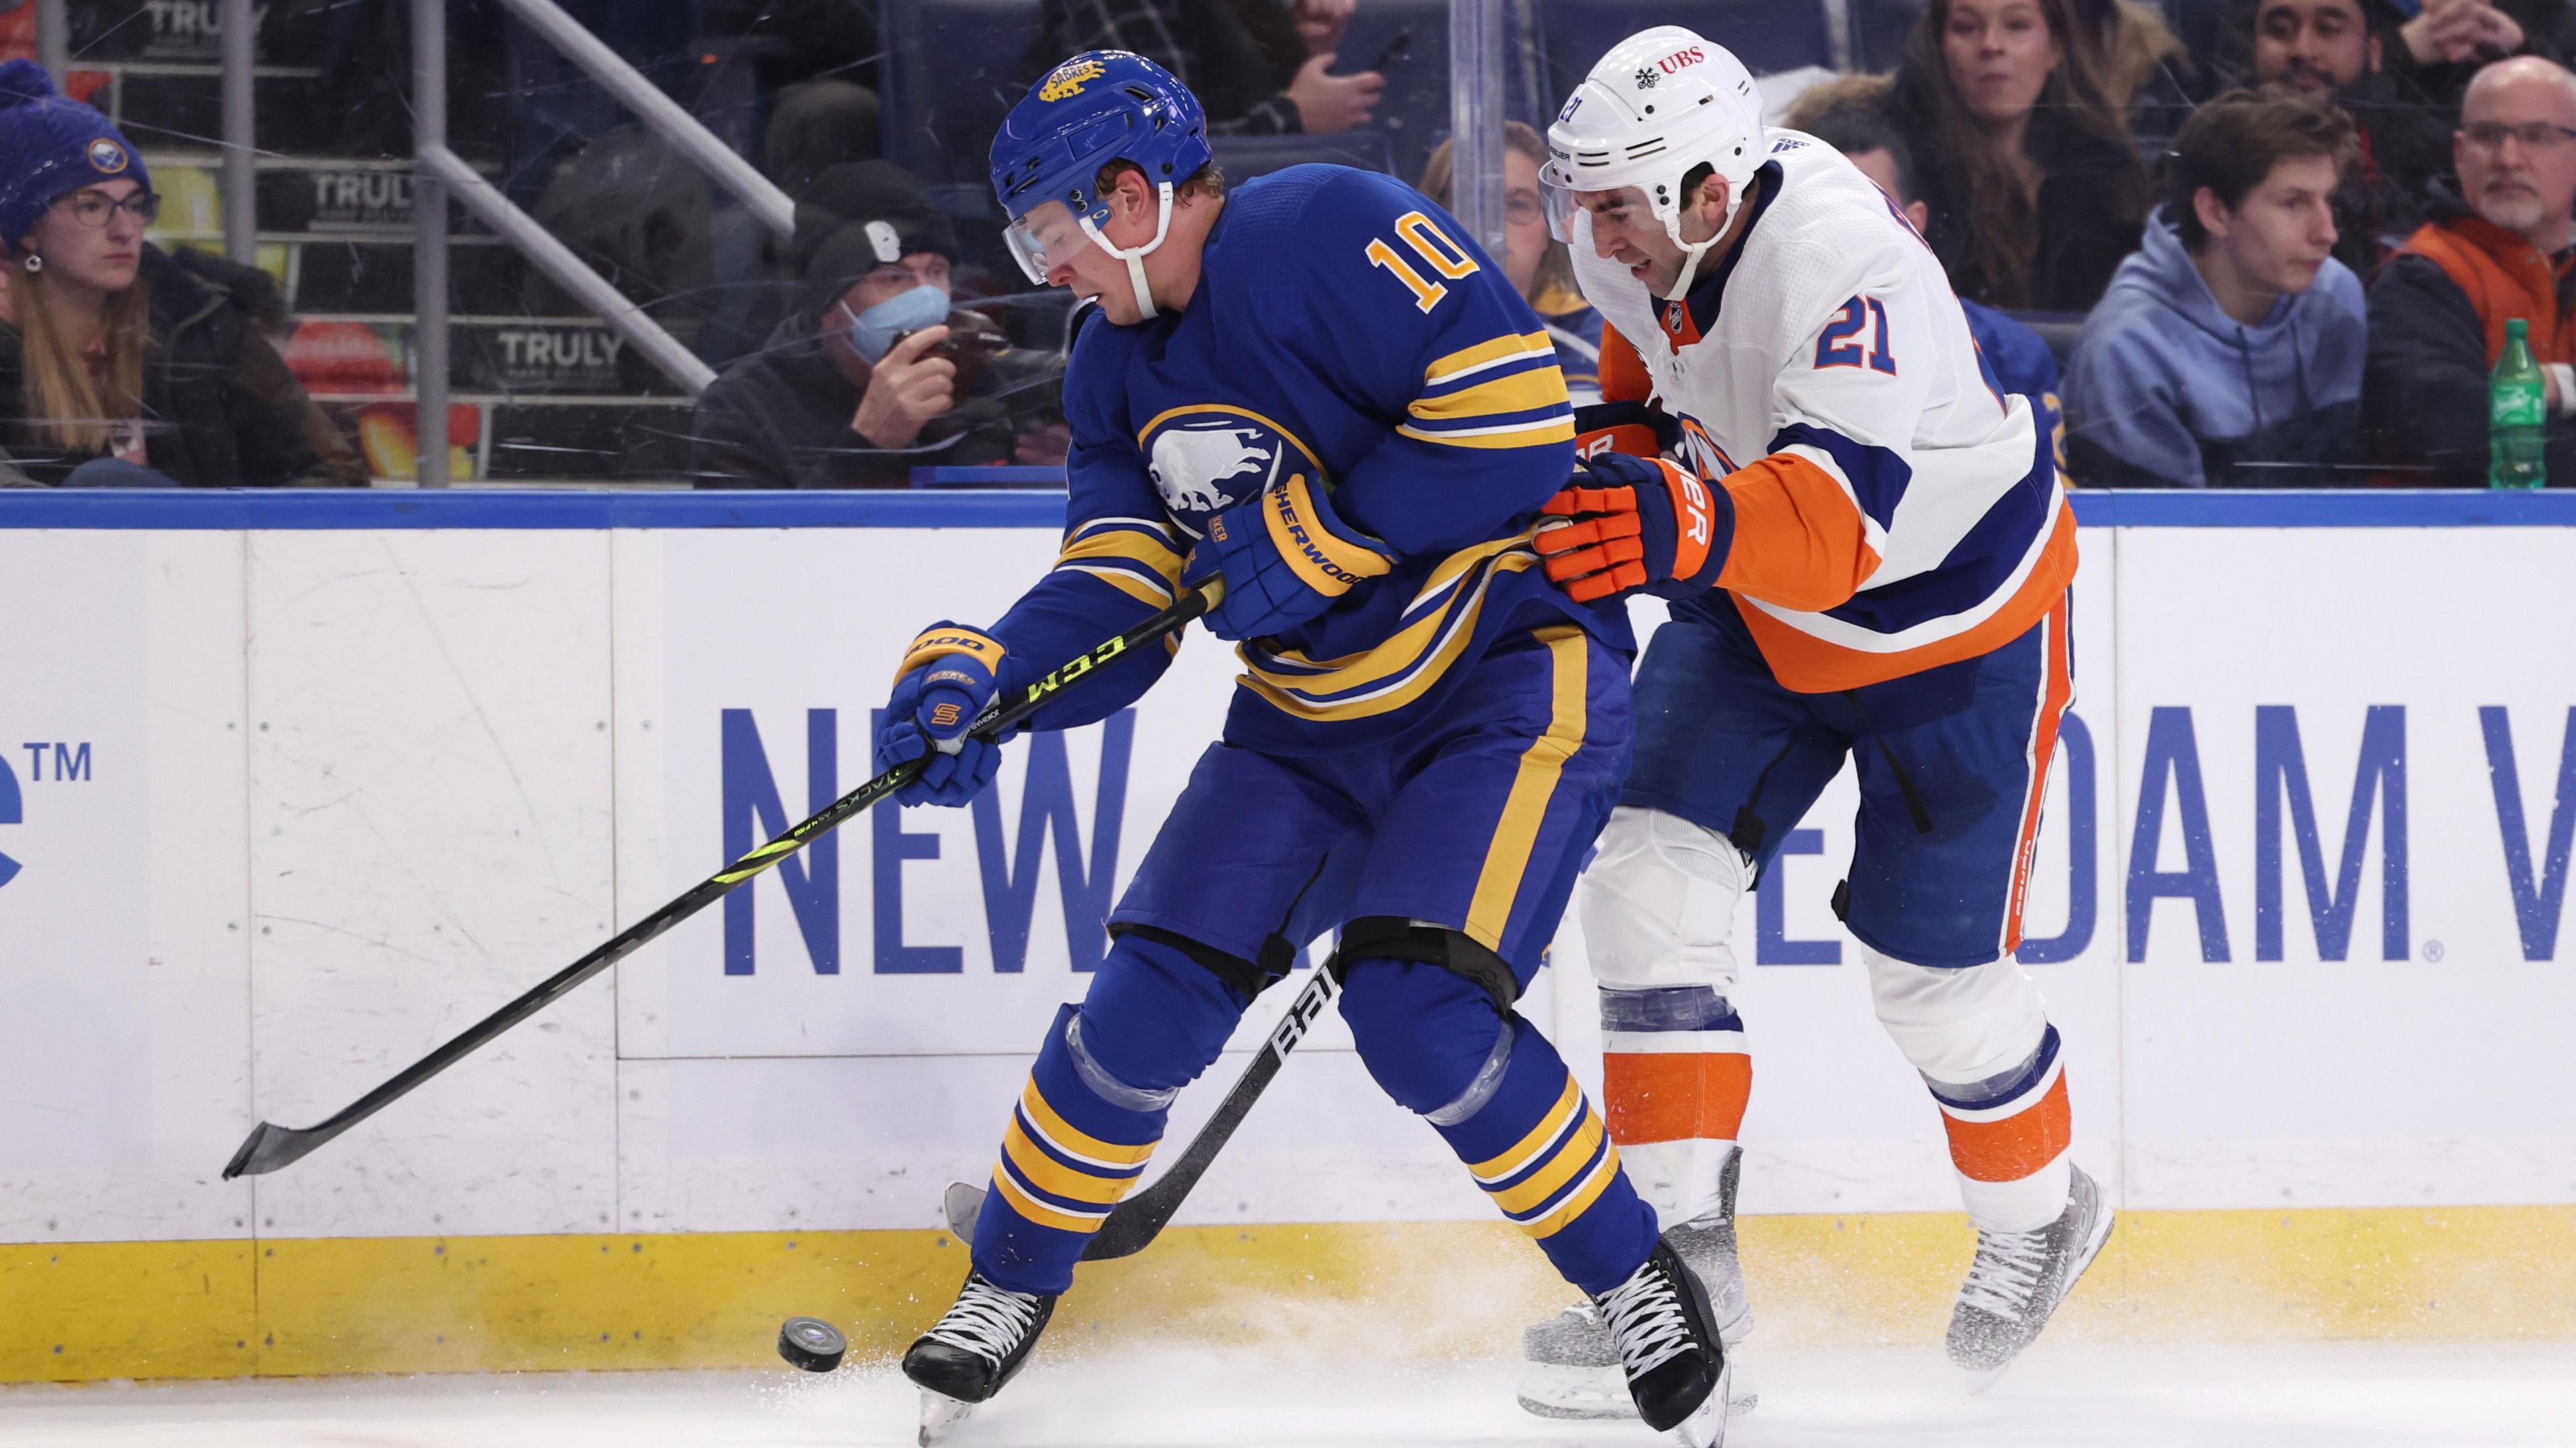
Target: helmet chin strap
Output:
{"points": [[1692, 251], [1135, 257]]}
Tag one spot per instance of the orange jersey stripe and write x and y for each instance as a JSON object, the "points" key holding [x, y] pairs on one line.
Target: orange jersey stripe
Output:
{"points": [[1623, 373], [1660, 1096], [2014, 1147], [2056, 690], [1799, 542], [1806, 664]]}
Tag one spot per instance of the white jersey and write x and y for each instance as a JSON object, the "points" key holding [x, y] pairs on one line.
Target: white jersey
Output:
{"points": [[1894, 508]]}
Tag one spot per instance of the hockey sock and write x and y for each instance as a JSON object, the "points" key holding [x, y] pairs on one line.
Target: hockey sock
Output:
{"points": [[1497, 1092], [1094, 1109], [2008, 1138], [1675, 1077]]}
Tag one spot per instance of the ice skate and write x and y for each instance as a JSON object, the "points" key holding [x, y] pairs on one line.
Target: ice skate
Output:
{"points": [[972, 1351], [2017, 1280], [1668, 1349], [1569, 1365]]}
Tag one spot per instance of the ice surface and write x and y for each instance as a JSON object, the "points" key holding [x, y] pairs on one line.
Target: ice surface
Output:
{"points": [[2346, 1396]]}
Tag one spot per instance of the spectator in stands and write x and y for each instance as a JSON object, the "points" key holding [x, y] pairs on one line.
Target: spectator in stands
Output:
{"points": [[2228, 352], [816, 125], [864, 379], [2496, 249], [2338, 51], [1536, 261], [2022, 154], [1261, 67], [121, 365], [2148, 75], [2021, 361]]}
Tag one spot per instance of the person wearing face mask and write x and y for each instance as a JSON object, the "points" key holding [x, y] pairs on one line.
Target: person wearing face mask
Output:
{"points": [[872, 373], [122, 365]]}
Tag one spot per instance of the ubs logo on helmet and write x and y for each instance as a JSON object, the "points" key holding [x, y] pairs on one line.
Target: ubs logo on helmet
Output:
{"points": [[1069, 78], [106, 157]]}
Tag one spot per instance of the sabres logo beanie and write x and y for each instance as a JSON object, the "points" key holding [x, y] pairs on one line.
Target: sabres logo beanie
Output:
{"points": [[51, 146]]}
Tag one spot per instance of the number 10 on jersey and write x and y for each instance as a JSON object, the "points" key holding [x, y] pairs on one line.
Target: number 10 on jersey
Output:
{"points": [[1430, 243]]}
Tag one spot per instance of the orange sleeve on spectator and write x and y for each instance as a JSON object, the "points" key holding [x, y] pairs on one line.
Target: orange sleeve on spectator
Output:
{"points": [[1623, 372], [1798, 537]]}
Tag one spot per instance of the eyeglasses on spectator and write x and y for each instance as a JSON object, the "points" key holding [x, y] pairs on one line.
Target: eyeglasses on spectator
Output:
{"points": [[93, 208], [2534, 135]]}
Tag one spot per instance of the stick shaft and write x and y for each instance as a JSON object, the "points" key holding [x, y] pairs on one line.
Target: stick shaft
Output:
{"points": [[271, 1147]]}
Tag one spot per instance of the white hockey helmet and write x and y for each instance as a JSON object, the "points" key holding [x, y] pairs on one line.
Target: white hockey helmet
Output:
{"points": [[1660, 105]]}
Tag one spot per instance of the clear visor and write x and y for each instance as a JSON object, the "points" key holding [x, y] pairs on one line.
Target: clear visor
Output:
{"points": [[1045, 236], [1559, 200]]}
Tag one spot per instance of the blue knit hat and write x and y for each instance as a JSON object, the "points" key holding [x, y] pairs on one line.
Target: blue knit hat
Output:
{"points": [[51, 146]]}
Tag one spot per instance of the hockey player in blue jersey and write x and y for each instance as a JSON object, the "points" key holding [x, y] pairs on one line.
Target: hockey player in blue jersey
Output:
{"points": [[1316, 389]]}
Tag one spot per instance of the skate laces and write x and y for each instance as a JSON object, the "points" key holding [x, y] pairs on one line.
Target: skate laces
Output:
{"points": [[1645, 1318], [987, 1321], [2005, 1275]]}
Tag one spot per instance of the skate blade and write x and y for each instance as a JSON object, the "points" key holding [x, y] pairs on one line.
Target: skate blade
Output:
{"points": [[1596, 1394], [1980, 1379], [939, 1413], [1707, 1427]]}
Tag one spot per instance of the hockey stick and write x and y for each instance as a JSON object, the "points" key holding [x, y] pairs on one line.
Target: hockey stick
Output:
{"points": [[270, 1146], [1136, 1221]]}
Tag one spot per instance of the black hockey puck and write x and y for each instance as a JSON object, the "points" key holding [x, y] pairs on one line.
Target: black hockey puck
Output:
{"points": [[812, 1344]]}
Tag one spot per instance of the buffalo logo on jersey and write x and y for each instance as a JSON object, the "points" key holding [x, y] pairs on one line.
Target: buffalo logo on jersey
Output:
{"points": [[1205, 460], [1069, 78]]}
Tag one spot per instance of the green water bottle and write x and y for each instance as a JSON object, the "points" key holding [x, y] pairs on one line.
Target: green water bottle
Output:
{"points": [[2517, 415]]}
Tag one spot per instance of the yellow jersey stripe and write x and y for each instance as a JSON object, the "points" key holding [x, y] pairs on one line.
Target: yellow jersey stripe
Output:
{"points": [[1038, 1211], [1560, 1169], [1134, 586], [1522, 1152], [1128, 545], [1580, 1201], [1056, 1132], [1394, 696], [1492, 352], [1048, 1174], [1535, 433], [1498, 884], [1520, 392]]}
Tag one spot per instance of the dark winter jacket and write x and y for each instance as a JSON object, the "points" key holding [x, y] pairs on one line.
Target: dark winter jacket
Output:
{"points": [[2169, 391], [220, 409], [1236, 56], [2437, 315], [2091, 205], [780, 418]]}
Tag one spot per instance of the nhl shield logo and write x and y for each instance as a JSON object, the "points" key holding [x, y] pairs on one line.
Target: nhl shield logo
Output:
{"points": [[106, 157]]}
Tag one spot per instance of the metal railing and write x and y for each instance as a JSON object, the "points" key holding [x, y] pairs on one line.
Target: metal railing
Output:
{"points": [[440, 173]]}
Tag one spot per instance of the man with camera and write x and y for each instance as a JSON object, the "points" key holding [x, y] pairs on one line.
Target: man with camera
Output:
{"points": [[872, 373]]}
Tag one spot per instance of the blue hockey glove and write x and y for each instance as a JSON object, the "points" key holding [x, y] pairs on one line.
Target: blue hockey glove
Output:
{"points": [[944, 682], [1285, 558], [1633, 523]]}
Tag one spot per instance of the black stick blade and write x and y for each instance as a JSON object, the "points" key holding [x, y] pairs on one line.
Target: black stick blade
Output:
{"points": [[269, 1147]]}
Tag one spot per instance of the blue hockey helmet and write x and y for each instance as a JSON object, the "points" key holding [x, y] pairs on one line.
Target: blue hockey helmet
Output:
{"points": [[1101, 106]]}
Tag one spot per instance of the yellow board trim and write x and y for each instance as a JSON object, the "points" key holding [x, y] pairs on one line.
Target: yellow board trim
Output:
{"points": [[1064, 1137], [1498, 885], [1054, 1176], [91, 1311], [1521, 1153], [1560, 1169]]}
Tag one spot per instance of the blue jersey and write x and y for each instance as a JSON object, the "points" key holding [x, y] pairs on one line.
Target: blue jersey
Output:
{"points": [[1343, 327]]}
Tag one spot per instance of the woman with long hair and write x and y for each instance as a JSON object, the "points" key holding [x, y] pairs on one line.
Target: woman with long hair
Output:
{"points": [[2035, 188], [1535, 261], [119, 365]]}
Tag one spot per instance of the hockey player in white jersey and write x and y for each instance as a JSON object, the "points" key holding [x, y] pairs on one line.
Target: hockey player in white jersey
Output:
{"points": [[1867, 551]]}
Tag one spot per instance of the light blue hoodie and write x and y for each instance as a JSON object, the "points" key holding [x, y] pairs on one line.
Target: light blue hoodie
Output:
{"points": [[2166, 390]]}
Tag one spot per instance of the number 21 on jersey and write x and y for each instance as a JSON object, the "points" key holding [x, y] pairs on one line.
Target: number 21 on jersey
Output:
{"points": [[1434, 247], [1840, 347]]}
